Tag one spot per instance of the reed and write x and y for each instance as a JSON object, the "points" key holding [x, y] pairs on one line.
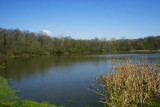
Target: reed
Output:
{"points": [[131, 85]]}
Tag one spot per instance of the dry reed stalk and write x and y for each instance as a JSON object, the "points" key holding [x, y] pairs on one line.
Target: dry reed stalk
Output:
{"points": [[130, 84]]}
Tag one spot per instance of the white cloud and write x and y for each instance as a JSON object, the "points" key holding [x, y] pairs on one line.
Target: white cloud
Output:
{"points": [[46, 32], [48, 26]]}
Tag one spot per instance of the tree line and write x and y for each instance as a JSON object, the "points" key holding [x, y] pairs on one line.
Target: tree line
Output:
{"points": [[16, 42]]}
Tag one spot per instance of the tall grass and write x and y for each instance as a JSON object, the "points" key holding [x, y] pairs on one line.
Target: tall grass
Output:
{"points": [[131, 85]]}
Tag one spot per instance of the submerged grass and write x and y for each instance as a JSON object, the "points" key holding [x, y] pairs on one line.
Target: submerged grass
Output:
{"points": [[27, 103], [131, 85]]}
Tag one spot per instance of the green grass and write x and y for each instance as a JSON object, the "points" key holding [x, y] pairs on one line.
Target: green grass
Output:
{"points": [[28, 103], [3, 66], [7, 92]]}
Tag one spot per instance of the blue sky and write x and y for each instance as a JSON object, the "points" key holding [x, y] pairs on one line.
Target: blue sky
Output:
{"points": [[83, 19]]}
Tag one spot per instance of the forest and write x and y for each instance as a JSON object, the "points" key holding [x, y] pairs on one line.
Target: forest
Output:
{"points": [[17, 42]]}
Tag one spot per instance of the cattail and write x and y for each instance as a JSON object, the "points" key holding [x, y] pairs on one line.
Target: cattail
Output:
{"points": [[132, 84]]}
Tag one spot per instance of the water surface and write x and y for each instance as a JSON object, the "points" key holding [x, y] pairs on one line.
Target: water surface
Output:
{"points": [[64, 80]]}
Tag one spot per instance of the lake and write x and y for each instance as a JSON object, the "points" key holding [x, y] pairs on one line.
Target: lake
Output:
{"points": [[64, 80]]}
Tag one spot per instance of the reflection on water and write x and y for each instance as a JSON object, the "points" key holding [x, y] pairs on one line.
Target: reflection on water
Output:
{"points": [[63, 80]]}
